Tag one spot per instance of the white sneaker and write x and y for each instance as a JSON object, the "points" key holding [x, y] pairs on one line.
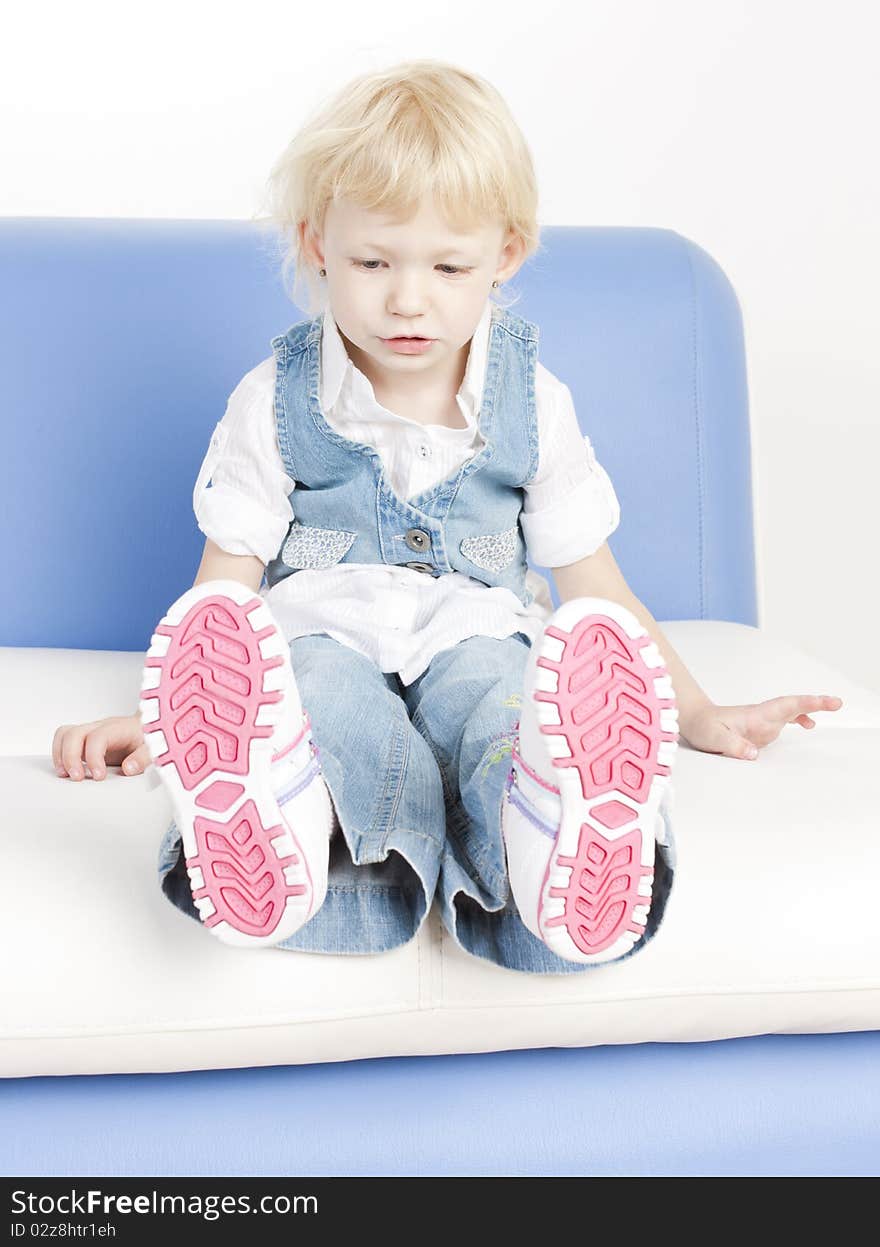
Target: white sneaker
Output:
{"points": [[598, 733], [232, 743]]}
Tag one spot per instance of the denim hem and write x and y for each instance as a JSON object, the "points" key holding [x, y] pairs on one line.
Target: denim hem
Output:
{"points": [[373, 917], [486, 931], [354, 918]]}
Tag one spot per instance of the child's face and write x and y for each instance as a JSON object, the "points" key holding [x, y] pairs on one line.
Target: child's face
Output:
{"points": [[388, 279]]}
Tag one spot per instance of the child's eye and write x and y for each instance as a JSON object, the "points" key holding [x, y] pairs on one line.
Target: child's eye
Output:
{"points": [[451, 268]]}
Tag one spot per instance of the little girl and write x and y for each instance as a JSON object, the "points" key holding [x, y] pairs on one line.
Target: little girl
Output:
{"points": [[402, 678]]}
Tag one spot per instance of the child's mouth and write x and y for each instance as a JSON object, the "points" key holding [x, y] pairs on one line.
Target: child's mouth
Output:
{"points": [[408, 344]]}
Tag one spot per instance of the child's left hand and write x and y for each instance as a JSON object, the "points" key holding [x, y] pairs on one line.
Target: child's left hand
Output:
{"points": [[736, 730]]}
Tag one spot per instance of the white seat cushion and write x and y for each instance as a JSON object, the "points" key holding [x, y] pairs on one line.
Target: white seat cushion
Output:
{"points": [[770, 926]]}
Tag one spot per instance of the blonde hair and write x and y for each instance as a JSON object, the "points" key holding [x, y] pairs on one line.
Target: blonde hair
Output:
{"points": [[386, 139]]}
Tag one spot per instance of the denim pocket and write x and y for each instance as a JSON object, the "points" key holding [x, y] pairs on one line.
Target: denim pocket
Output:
{"points": [[491, 551], [307, 546]]}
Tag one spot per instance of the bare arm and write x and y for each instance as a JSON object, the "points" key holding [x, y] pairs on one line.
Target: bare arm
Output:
{"points": [[599, 576], [218, 564]]}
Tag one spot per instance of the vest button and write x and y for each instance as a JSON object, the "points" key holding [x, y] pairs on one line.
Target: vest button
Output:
{"points": [[421, 567], [417, 539]]}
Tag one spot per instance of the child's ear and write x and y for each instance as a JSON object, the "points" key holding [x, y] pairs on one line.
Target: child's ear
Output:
{"points": [[512, 256], [311, 244]]}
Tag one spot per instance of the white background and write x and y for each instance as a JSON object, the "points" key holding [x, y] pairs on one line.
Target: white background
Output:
{"points": [[751, 128]]}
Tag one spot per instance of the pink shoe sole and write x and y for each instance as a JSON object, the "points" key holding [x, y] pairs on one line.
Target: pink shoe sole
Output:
{"points": [[210, 699], [612, 747]]}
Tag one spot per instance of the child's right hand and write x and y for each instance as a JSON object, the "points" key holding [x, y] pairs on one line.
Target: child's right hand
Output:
{"points": [[106, 742]]}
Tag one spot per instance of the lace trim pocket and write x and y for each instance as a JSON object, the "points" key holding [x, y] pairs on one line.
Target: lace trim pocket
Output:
{"points": [[306, 546], [491, 551]]}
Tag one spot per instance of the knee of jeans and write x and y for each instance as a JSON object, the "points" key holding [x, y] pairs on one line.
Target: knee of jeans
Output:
{"points": [[365, 732], [424, 764], [323, 666], [493, 647], [495, 712], [491, 747]]}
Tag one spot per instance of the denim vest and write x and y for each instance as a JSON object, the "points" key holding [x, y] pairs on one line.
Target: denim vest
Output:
{"points": [[345, 510]]}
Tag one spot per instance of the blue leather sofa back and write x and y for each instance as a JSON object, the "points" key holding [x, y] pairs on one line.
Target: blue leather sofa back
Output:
{"points": [[122, 340]]}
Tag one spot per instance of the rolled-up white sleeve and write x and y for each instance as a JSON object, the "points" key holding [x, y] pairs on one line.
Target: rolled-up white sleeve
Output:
{"points": [[241, 497], [570, 507]]}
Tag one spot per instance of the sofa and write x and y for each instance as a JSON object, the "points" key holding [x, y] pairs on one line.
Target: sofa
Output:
{"points": [[743, 1039]]}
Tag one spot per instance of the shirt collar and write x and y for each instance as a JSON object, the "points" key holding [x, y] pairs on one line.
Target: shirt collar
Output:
{"points": [[337, 367]]}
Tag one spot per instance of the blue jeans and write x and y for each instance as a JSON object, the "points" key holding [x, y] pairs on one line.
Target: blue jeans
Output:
{"points": [[417, 775]]}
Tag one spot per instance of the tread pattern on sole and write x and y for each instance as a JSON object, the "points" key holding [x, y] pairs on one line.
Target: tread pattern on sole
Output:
{"points": [[209, 697], [609, 718], [243, 887], [211, 689]]}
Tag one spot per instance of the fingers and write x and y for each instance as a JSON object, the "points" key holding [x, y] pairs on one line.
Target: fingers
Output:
{"points": [[56, 746], [822, 702], [136, 762], [70, 750], [800, 705], [737, 746], [95, 751], [793, 704], [745, 751], [815, 702], [98, 745]]}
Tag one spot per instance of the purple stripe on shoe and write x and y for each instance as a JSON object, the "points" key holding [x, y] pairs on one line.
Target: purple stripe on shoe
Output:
{"points": [[517, 799], [305, 777]]}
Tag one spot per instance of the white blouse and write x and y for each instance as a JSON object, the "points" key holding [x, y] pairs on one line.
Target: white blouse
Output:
{"points": [[397, 616]]}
